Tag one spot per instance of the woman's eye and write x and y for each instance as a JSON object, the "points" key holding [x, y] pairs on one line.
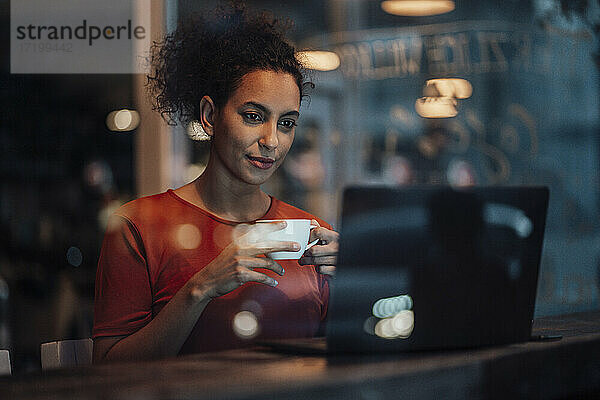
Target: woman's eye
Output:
{"points": [[252, 117], [288, 123]]}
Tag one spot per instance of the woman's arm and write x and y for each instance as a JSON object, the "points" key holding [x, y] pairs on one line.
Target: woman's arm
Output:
{"points": [[164, 335], [161, 337]]}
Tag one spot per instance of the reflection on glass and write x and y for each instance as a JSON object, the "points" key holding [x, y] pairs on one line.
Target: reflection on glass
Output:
{"points": [[501, 214], [388, 307], [392, 318]]}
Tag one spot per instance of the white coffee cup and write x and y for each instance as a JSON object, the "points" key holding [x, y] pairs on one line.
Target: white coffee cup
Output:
{"points": [[297, 230]]}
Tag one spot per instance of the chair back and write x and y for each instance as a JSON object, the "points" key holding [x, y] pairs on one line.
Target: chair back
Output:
{"points": [[66, 353], [5, 363]]}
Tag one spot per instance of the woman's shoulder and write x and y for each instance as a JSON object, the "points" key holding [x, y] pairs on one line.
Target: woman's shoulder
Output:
{"points": [[159, 208], [144, 205], [280, 210]]}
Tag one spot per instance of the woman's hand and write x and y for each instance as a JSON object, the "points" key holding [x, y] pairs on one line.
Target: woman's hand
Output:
{"points": [[324, 254], [236, 263]]}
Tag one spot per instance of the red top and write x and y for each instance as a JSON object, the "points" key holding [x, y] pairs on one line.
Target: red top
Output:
{"points": [[154, 245]]}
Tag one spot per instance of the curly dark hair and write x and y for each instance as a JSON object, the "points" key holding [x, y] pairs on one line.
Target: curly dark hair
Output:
{"points": [[208, 54]]}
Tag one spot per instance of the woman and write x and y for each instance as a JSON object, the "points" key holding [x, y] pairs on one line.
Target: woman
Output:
{"points": [[178, 267]]}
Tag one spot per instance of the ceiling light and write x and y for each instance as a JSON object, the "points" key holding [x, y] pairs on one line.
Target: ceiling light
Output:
{"points": [[436, 107], [417, 8], [448, 87], [318, 60]]}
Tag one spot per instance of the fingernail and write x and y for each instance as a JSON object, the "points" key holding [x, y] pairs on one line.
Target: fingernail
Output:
{"points": [[274, 283], [282, 271]]}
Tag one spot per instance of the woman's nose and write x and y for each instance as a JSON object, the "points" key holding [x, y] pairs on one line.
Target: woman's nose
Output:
{"points": [[269, 136]]}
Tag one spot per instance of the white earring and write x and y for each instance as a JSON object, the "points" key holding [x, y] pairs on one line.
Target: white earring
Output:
{"points": [[195, 131]]}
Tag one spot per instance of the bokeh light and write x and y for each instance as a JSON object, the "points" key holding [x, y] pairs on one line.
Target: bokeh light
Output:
{"points": [[122, 120], [460, 173], [369, 325], [403, 323], [400, 326], [390, 306], [245, 325], [195, 131], [74, 256], [188, 236], [402, 115], [384, 329], [224, 234]]}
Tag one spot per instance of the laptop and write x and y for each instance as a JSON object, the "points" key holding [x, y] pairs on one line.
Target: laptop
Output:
{"points": [[433, 267]]}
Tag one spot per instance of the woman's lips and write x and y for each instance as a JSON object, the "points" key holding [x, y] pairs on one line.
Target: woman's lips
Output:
{"points": [[261, 162]]}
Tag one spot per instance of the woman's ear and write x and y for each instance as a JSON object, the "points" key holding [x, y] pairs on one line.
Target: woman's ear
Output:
{"points": [[207, 115]]}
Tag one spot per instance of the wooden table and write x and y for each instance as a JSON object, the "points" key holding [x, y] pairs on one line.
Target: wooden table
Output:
{"points": [[555, 369]]}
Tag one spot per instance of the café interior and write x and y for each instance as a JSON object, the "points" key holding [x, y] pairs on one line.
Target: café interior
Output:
{"points": [[462, 93]]}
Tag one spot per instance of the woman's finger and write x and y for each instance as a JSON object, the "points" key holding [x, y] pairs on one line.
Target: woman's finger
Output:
{"points": [[323, 250], [269, 246], [320, 260], [255, 276], [266, 263], [325, 235]]}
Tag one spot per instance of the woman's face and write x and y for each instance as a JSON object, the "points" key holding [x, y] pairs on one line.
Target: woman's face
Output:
{"points": [[254, 130]]}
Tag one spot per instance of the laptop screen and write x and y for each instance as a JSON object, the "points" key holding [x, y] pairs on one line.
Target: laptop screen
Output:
{"points": [[466, 261]]}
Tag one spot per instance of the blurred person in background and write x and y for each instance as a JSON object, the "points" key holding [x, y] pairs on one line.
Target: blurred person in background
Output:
{"points": [[176, 269], [304, 170]]}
